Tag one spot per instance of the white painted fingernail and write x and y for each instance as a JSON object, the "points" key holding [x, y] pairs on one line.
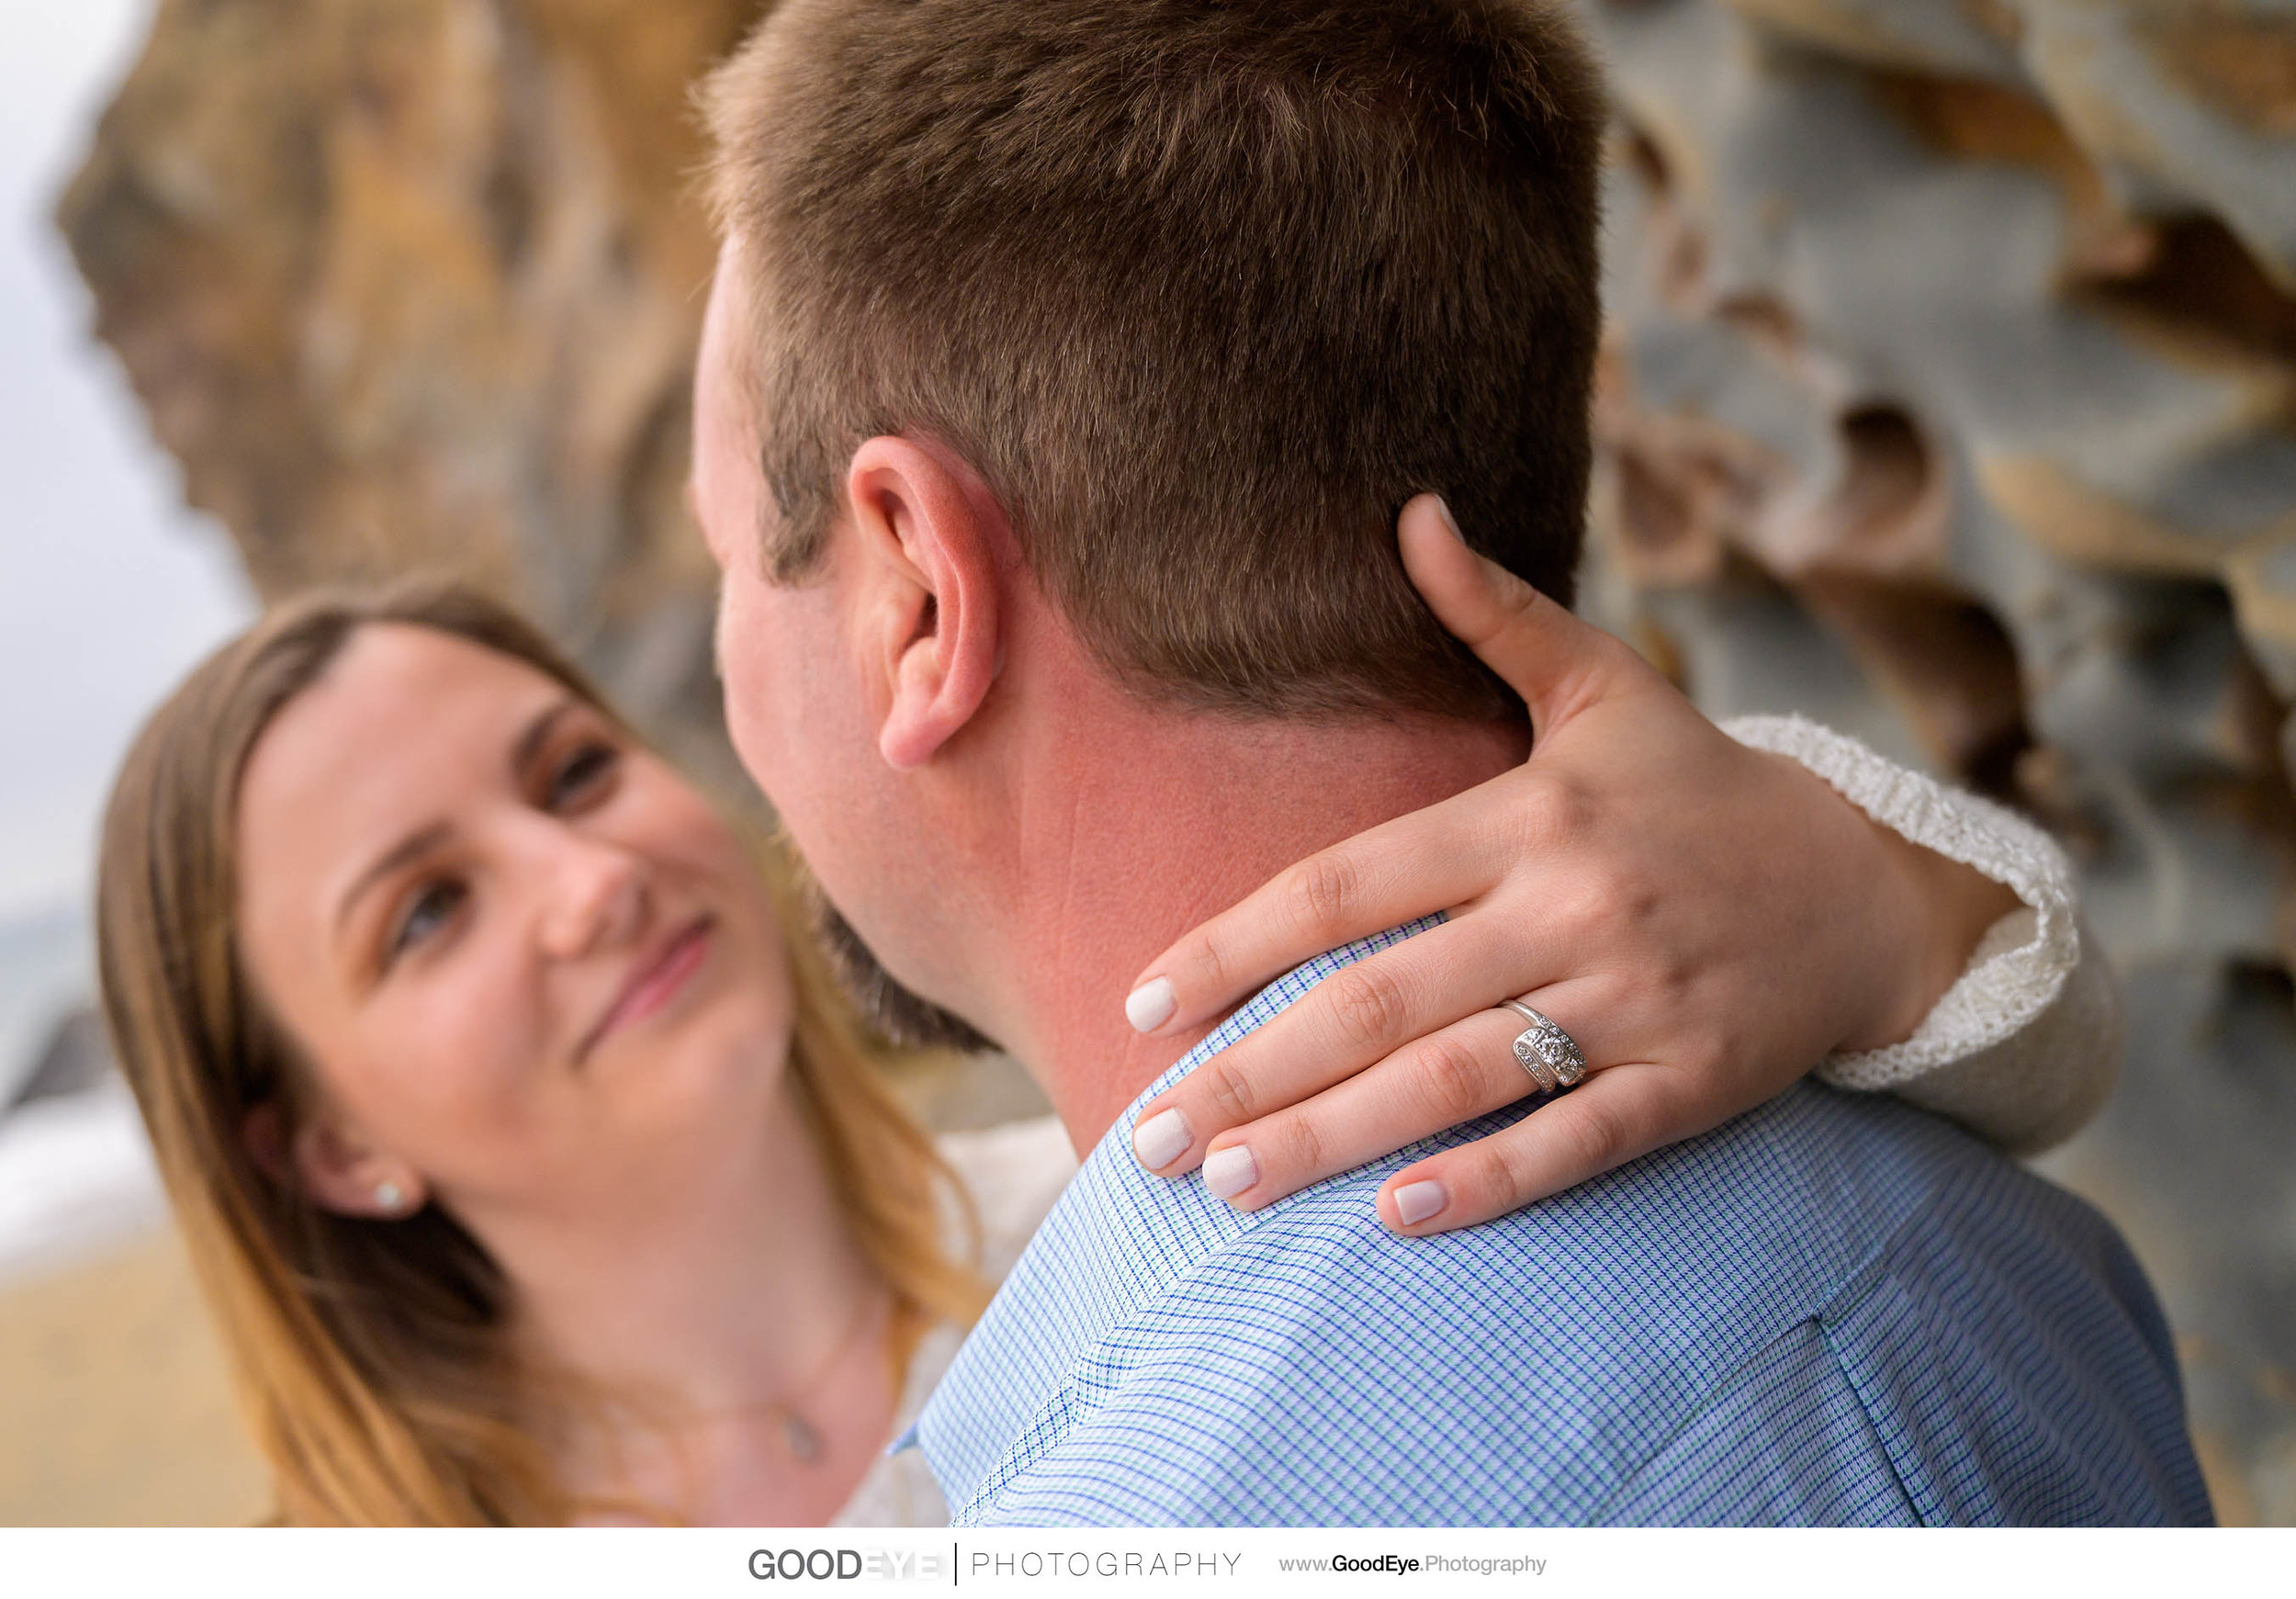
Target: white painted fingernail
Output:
{"points": [[1150, 1005], [1414, 1203], [1161, 1139], [1228, 1172]]}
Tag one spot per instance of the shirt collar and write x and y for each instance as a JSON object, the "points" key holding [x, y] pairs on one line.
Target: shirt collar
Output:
{"points": [[1114, 1242]]}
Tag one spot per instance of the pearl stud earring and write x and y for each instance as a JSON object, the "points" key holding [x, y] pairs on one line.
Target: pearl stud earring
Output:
{"points": [[388, 1197]]}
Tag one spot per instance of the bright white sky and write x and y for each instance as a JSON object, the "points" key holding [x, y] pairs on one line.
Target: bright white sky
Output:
{"points": [[108, 590]]}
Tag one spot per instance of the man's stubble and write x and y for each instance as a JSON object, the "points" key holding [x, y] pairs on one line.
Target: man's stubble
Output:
{"points": [[903, 1016]]}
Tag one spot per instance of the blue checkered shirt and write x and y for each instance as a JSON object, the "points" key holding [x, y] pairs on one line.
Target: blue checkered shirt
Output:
{"points": [[1834, 1309]]}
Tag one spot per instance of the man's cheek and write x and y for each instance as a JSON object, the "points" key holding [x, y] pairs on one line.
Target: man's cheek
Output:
{"points": [[737, 683], [754, 752], [741, 666]]}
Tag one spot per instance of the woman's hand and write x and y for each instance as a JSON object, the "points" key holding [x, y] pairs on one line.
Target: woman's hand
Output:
{"points": [[1706, 920]]}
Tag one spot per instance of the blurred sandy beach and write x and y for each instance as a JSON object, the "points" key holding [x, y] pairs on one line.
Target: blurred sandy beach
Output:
{"points": [[115, 1408]]}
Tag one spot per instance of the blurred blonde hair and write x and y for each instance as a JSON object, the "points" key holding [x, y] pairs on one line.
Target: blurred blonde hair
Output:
{"points": [[369, 1355]]}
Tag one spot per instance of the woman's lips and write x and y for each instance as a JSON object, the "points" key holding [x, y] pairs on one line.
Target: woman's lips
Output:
{"points": [[659, 982]]}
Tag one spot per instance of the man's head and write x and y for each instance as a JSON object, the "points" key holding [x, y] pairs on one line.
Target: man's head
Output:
{"points": [[1171, 304]]}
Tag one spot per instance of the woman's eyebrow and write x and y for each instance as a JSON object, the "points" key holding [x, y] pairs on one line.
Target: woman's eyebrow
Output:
{"points": [[414, 845], [537, 733]]}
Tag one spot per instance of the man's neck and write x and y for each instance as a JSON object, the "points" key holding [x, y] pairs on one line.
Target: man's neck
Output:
{"points": [[1133, 823]]}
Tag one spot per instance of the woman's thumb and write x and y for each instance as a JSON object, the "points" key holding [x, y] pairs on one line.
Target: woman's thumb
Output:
{"points": [[1558, 663]]}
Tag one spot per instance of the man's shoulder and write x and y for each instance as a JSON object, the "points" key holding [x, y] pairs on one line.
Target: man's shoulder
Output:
{"points": [[1310, 1366], [1784, 1206]]}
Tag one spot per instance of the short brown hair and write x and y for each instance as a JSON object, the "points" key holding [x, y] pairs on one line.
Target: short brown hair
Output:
{"points": [[1204, 290]]}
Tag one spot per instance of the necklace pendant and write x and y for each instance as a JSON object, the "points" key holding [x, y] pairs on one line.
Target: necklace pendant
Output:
{"points": [[798, 1434]]}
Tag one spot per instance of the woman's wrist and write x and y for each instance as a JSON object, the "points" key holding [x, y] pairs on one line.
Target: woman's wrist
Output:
{"points": [[1920, 908], [1944, 909]]}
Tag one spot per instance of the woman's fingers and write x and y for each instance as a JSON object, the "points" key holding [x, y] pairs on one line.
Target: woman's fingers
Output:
{"points": [[1607, 1120], [1359, 1014], [1379, 879], [1453, 1075], [1434, 1083]]}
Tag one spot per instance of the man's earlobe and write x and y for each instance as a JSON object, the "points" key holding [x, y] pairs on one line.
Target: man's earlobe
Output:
{"points": [[921, 716], [936, 533]]}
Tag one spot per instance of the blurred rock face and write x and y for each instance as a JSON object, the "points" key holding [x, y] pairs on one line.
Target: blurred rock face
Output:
{"points": [[417, 282], [1951, 396]]}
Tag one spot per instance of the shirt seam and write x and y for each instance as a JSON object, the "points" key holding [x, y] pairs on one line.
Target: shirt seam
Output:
{"points": [[1827, 1326], [1856, 1290]]}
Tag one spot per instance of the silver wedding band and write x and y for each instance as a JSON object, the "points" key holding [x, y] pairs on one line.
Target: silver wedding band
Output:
{"points": [[1550, 1056]]}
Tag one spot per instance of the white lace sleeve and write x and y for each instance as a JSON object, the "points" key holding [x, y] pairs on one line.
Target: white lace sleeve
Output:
{"points": [[2023, 1047]]}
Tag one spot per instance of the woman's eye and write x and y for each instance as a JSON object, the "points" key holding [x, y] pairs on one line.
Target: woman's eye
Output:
{"points": [[583, 772], [424, 914]]}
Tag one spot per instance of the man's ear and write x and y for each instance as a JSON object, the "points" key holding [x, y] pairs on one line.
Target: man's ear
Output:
{"points": [[331, 1165], [932, 539]]}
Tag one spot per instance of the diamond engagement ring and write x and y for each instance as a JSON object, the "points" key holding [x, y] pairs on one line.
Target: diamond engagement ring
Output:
{"points": [[1550, 1056]]}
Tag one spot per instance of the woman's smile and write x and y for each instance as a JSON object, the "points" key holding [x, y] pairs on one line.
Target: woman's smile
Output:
{"points": [[663, 971]]}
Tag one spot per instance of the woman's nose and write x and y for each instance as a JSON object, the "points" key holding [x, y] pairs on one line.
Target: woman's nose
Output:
{"points": [[597, 899]]}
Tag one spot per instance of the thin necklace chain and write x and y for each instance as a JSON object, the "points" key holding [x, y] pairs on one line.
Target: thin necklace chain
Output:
{"points": [[799, 1436]]}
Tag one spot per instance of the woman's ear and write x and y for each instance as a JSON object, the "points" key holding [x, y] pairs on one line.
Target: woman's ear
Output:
{"points": [[933, 536], [331, 1166], [263, 1134]]}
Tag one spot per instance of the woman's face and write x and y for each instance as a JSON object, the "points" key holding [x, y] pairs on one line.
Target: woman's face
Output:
{"points": [[527, 960]]}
